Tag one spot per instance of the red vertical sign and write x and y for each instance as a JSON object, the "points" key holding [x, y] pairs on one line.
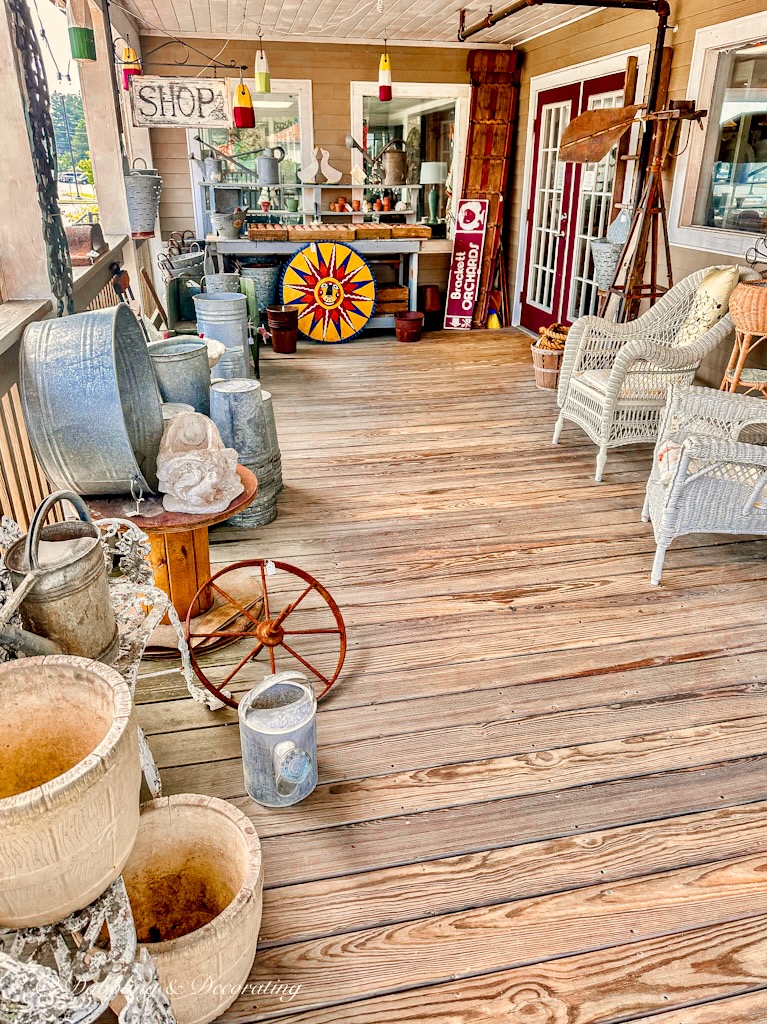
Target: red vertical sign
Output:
{"points": [[466, 265]]}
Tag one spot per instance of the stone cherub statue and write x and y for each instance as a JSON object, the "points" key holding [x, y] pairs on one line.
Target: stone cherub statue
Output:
{"points": [[196, 473]]}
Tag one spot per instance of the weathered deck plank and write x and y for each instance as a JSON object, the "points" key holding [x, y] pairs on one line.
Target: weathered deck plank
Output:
{"points": [[542, 791]]}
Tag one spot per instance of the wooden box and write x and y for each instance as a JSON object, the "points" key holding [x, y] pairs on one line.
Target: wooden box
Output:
{"points": [[410, 231], [368, 231], [267, 233], [321, 233]]}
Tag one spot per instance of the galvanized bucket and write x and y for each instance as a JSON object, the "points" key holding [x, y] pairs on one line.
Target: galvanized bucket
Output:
{"points": [[182, 371], [69, 600], [271, 426], [224, 316], [91, 403], [278, 733], [221, 283], [231, 364], [267, 280], [142, 190]]}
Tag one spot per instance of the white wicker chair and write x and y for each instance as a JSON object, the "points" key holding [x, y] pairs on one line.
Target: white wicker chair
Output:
{"points": [[716, 481], [614, 377]]}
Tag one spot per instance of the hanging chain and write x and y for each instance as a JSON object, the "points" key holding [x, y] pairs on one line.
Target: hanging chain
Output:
{"points": [[37, 113]]}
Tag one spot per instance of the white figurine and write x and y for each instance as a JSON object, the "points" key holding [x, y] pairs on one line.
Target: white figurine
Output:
{"points": [[196, 473]]}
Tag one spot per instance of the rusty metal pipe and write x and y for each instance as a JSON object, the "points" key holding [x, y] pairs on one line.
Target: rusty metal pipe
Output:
{"points": [[493, 17]]}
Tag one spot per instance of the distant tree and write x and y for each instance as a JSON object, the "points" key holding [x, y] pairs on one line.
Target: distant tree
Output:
{"points": [[87, 168], [69, 129]]}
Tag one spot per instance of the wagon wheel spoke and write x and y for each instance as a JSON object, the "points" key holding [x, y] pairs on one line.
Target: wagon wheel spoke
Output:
{"points": [[218, 632], [231, 600], [309, 632], [305, 663], [289, 608], [265, 591], [241, 664]]}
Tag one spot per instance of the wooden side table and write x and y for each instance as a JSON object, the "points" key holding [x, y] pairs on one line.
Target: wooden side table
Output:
{"points": [[737, 374], [180, 560]]}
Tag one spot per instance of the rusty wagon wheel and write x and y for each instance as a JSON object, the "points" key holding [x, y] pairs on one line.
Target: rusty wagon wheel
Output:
{"points": [[272, 631]]}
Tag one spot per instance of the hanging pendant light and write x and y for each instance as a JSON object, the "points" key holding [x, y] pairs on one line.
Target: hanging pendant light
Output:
{"points": [[263, 78], [242, 107], [384, 76], [82, 42], [130, 65]]}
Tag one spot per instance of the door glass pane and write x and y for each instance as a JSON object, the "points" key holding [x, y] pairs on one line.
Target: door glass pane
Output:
{"points": [[594, 203], [732, 193], [550, 179], [277, 124]]}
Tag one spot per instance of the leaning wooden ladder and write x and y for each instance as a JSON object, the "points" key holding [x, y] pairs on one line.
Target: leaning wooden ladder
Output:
{"points": [[494, 98]]}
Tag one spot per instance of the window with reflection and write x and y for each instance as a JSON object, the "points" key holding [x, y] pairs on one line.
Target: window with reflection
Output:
{"points": [[732, 193], [277, 125]]}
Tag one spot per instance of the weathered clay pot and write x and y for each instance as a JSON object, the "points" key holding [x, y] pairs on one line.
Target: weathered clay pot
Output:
{"points": [[195, 883], [69, 786]]}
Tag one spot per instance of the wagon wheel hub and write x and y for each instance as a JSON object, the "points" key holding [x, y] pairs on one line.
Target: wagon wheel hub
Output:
{"points": [[270, 633]]}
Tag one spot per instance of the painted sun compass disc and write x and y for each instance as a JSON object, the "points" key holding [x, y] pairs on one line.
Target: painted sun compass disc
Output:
{"points": [[333, 288]]}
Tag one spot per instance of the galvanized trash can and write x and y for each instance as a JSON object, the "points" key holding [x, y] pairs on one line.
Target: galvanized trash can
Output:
{"points": [[278, 733], [267, 280], [182, 371], [224, 282], [142, 190], [224, 316]]}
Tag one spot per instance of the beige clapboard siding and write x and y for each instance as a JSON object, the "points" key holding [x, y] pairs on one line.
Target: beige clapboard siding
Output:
{"points": [[598, 36]]}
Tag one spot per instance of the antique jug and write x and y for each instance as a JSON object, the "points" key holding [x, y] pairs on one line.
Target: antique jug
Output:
{"points": [[278, 733]]}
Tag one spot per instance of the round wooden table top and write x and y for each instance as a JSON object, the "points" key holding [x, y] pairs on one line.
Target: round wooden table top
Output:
{"points": [[170, 522]]}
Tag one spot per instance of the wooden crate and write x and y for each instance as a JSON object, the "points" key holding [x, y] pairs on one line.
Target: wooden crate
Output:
{"points": [[366, 231], [321, 233], [389, 293], [267, 233], [410, 231], [390, 308]]}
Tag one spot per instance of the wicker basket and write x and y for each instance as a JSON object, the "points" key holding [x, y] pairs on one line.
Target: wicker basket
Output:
{"points": [[546, 364], [748, 307]]}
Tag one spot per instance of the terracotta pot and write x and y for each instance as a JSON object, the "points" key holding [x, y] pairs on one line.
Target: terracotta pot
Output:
{"points": [[378, 205], [748, 307], [195, 883], [356, 205], [69, 786], [387, 203], [283, 327]]}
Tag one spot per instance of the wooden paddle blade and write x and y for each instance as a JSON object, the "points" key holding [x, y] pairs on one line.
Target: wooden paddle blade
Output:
{"points": [[591, 135]]}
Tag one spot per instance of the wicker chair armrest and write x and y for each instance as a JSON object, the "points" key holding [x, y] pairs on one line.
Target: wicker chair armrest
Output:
{"points": [[724, 414], [703, 448]]}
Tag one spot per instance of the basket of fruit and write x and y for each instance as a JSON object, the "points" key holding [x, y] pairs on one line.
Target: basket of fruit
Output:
{"points": [[547, 355]]}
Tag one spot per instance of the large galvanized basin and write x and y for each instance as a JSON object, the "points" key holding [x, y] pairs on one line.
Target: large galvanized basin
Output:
{"points": [[195, 883], [69, 786], [91, 403]]}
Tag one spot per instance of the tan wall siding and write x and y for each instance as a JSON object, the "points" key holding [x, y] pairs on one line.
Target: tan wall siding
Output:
{"points": [[603, 34], [330, 69]]}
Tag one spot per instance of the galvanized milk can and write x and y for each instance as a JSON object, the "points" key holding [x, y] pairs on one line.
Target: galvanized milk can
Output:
{"points": [[224, 316], [62, 570], [278, 733], [182, 371]]}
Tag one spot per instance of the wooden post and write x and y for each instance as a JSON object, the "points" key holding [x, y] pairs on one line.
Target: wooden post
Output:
{"points": [[23, 258]]}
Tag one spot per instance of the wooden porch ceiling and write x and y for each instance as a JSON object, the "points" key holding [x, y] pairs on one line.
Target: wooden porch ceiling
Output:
{"points": [[542, 790], [403, 21]]}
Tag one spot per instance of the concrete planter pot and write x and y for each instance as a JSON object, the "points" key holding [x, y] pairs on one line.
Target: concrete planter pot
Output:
{"points": [[195, 883], [69, 786]]}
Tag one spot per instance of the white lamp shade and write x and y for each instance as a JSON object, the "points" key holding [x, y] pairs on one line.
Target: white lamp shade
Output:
{"points": [[433, 172]]}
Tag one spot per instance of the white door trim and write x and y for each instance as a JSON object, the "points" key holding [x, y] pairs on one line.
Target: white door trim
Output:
{"points": [[609, 65]]}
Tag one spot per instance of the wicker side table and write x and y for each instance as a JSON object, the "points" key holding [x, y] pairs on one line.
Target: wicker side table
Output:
{"points": [[737, 375]]}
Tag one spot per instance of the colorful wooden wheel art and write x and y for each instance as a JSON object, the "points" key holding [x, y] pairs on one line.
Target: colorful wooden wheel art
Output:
{"points": [[333, 288], [311, 638]]}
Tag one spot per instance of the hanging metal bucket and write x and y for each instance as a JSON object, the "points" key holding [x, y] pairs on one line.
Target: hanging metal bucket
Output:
{"points": [[606, 256], [91, 403], [68, 602], [182, 371], [224, 316], [142, 190]]}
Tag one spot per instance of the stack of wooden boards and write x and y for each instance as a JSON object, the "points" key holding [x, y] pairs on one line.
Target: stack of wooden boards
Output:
{"points": [[320, 232]]}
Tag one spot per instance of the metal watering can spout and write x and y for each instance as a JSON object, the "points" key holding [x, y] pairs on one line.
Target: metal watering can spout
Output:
{"points": [[279, 739]]}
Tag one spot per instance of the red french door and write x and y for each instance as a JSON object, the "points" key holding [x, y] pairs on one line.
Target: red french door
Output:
{"points": [[570, 205]]}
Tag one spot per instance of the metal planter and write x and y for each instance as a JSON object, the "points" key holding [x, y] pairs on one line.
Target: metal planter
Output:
{"points": [[182, 371], [91, 403]]}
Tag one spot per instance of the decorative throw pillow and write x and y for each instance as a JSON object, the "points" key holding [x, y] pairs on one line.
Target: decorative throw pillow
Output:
{"points": [[710, 304]]}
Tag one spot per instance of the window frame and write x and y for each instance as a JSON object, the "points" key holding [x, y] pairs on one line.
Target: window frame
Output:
{"points": [[709, 44], [301, 87]]}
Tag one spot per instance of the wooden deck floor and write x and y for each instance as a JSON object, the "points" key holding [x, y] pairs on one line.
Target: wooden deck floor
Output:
{"points": [[542, 781]]}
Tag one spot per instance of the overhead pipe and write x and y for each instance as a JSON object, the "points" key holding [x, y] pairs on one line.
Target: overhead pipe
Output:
{"points": [[659, 7]]}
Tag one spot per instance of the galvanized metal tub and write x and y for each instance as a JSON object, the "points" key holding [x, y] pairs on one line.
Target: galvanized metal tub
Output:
{"points": [[214, 283], [182, 372], [266, 397], [91, 403], [224, 316], [267, 281]]}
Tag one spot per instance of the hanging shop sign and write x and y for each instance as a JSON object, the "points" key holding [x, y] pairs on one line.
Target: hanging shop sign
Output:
{"points": [[158, 102], [466, 265]]}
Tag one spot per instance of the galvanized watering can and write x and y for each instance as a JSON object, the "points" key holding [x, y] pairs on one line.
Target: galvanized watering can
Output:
{"points": [[278, 733], [394, 162], [59, 578], [268, 165]]}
